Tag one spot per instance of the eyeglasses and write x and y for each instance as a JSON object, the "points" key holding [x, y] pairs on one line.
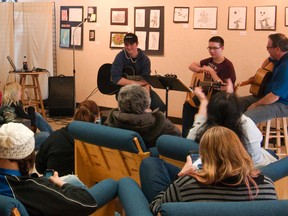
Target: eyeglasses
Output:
{"points": [[213, 48], [270, 47]]}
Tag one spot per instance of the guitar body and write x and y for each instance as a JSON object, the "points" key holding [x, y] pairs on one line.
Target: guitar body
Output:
{"points": [[260, 80], [104, 79], [196, 81]]}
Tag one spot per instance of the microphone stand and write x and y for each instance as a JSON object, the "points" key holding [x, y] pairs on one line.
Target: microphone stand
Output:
{"points": [[74, 70]]}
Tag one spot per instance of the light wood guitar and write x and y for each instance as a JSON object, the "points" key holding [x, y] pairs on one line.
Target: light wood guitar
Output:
{"points": [[259, 80], [204, 80]]}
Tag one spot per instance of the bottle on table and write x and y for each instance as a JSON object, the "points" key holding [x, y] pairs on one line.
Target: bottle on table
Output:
{"points": [[25, 63]]}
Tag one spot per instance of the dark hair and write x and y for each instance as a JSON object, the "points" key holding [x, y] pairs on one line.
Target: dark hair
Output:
{"points": [[87, 111], [217, 39], [224, 109], [279, 40], [26, 165]]}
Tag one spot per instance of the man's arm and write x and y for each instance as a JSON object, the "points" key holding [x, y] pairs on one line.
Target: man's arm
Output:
{"points": [[195, 67], [267, 99]]}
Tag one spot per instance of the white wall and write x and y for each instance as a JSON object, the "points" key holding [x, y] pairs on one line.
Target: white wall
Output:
{"points": [[183, 44]]}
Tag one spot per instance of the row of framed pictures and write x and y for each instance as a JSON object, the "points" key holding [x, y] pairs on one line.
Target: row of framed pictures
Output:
{"points": [[206, 17]]}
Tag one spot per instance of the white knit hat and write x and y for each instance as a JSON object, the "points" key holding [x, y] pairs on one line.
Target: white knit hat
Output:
{"points": [[16, 141]]}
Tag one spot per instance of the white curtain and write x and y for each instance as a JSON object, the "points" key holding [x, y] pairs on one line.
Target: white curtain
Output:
{"points": [[32, 31]]}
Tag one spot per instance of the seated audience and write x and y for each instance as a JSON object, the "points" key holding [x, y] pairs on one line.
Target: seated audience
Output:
{"points": [[134, 113], [227, 174], [44, 195], [12, 98], [224, 109], [57, 151]]}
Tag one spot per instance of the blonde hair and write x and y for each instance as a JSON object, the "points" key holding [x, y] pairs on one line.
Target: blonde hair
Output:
{"points": [[223, 156], [10, 93]]}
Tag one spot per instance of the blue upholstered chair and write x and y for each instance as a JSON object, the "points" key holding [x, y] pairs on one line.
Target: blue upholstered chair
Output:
{"points": [[106, 152], [135, 203], [10, 206]]}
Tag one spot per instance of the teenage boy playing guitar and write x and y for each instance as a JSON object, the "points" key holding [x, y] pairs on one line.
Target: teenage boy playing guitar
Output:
{"points": [[134, 57]]}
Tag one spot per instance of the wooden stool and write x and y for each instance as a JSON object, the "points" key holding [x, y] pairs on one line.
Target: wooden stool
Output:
{"points": [[280, 131], [37, 100]]}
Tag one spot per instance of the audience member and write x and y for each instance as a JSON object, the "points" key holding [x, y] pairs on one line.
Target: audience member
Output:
{"points": [[57, 151], [43, 195], [227, 174], [12, 98], [134, 113]]}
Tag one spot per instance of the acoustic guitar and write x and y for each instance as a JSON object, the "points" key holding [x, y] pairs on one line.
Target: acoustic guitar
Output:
{"points": [[259, 80], [104, 78], [207, 84]]}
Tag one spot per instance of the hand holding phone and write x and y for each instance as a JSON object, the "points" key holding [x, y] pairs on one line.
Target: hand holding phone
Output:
{"points": [[49, 173]]}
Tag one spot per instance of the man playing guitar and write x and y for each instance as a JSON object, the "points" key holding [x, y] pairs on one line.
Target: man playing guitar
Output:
{"points": [[274, 103], [217, 67], [132, 56]]}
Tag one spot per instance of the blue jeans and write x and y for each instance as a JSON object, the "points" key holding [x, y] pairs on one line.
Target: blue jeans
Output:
{"points": [[42, 124], [40, 137], [103, 192], [265, 112], [156, 175]]}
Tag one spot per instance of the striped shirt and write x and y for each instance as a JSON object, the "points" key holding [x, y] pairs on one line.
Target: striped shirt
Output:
{"points": [[188, 189]]}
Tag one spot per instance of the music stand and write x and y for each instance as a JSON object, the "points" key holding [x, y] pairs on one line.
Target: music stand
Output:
{"points": [[167, 83]]}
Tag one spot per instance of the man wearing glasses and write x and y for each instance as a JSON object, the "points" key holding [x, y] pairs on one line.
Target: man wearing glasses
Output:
{"points": [[274, 103], [217, 67]]}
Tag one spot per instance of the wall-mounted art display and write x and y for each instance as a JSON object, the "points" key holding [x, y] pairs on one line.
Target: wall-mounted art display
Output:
{"points": [[119, 16], [149, 27], [91, 35], [286, 16], [265, 18], [205, 17], [117, 39], [71, 26], [181, 15], [92, 14], [237, 18]]}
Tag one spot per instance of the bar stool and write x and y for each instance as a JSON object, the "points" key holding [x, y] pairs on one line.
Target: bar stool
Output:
{"points": [[37, 100], [279, 132]]}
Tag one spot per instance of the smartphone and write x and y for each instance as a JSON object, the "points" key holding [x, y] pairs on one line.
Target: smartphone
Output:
{"points": [[49, 173]]}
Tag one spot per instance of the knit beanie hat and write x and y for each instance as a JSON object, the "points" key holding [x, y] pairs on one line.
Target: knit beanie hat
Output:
{"points": [[16, 141]]}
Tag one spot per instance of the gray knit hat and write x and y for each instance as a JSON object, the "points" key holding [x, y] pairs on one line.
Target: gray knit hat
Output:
{"points": [[16, 141]]}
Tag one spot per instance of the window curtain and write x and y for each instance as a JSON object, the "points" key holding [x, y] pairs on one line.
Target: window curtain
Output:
{"points": [[31, 36]]}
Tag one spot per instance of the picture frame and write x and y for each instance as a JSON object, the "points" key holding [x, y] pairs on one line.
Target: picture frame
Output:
{"points": [[286, 16], [237, 18], [117, 39], [205, 18], [181, 15], [119, 16], [92, 13], [91, 35], [265, 18]]}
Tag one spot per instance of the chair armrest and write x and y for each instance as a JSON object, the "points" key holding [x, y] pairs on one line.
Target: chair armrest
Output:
{"points": [[133, 200], [8, 203], [176, 148], [276, 170], [259, 208]]}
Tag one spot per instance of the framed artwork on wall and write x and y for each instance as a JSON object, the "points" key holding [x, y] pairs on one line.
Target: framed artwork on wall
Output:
{"points": [[117, 39], [181, 15], [237, 18], [91, 35], [119, 16], [286, 16], [265, 18], [92, 14], [205, 18]]}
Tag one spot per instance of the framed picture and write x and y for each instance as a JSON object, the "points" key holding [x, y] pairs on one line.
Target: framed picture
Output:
{"points": [[117, 39], [119, 16], [286, 16], [237, 18], [205, 18], [181, 15], [91, 35], [265, 18], [92, 14]]}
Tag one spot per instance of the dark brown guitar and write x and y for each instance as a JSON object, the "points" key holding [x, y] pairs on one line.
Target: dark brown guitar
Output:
{"points": [[259, 81]]}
